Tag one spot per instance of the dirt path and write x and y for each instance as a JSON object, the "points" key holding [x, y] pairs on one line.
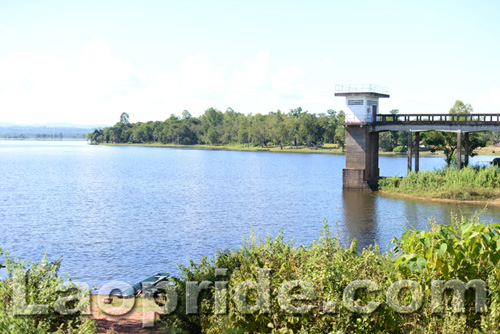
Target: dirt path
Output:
{"points": [[122, 325], [130, 322]]}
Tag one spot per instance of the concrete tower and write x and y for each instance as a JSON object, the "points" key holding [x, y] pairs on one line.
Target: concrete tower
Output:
{"points": [[361, 171]]}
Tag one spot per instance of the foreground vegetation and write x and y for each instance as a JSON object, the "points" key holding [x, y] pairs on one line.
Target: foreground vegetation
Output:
{"points": [[465, 251], [470, 183], [301, 285], [35, 299]]}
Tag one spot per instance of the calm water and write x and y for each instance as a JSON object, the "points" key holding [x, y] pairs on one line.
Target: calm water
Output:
{"points": [[125, 213]]}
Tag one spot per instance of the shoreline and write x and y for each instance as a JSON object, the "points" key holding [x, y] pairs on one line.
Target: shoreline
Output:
{"points": [[286, 149], [274, 149], [488, 151], [445, 200]]}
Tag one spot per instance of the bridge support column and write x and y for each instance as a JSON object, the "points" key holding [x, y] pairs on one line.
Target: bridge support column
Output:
{"points": [[417, 150], [459, 150], [361, 172], [466, 144], [410, 144]]}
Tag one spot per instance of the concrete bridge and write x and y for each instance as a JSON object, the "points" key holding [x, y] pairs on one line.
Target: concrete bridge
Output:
{"points": [[362, 140]]}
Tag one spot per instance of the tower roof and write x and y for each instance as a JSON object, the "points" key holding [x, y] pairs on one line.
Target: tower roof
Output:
{"points": [[362, 90]]}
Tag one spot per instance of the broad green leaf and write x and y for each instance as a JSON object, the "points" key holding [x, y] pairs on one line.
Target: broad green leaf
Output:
{"points": [[418, 264], [399, 260], [427, 242], [442, 249], [486, 237], [465, 227], [495, 257]]}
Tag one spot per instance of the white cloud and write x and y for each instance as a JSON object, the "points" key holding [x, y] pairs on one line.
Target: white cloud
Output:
{"points": [[37, 88], [488, 101], [3, 26], [284, 81], [102, 71], [425, 102]]}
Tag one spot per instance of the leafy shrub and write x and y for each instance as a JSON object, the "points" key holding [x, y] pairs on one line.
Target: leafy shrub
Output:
{"points": [[467, 250], [467, 183], [42, 285], [398, 149]]}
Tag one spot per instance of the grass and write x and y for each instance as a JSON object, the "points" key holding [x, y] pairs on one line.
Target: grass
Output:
{"points": [[326, 148], [468, 184]]}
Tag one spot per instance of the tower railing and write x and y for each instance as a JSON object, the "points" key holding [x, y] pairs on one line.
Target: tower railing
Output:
{"points": [[361, 88], [437, 118]]}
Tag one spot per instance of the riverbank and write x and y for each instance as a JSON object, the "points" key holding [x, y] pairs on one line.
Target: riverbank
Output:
{"points": [[387, 194], [324, 149], [327, 148], [469, 185]]}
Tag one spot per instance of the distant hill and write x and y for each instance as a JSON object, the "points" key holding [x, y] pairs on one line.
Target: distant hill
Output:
{"points": [[56, 125], [47, 131]]}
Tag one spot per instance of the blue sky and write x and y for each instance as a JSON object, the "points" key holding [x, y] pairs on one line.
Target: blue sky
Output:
{"points": [[86, 62]]}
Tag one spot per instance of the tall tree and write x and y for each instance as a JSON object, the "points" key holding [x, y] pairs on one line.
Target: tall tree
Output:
{"points": [[340, 131], [447, 142], [461, 108], [186, 114]]}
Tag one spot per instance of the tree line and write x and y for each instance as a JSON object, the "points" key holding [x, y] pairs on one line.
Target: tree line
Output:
{"points": [[295, 128], [214, 127]]}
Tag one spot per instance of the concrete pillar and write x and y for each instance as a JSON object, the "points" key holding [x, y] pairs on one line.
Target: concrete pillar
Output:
{"points": [[459, 150], [466, 144], [417, 150], [361, 172], [409, 150], [372, 164]]}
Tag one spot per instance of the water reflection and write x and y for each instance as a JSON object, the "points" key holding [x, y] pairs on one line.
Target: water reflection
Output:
{"points": [[360, 218]]}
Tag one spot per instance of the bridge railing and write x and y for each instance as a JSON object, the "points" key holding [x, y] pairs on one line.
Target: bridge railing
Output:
{"points": [[437, 118]]}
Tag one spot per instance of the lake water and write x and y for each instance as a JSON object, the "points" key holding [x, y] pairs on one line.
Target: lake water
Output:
{"points": [[125, 213]]}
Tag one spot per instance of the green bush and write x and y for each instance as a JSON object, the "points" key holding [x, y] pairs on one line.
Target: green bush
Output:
{"points": [[40, 284], [465, 184], [398, 149], [467, 250]]}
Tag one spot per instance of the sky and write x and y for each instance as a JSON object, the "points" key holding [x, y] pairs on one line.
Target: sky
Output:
{"points": [[86, 62]]}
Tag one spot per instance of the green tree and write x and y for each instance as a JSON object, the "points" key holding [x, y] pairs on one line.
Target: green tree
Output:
{"points": [[211, 121], [258, 130], [340, 131], [186, 114], [243, 131], [447, 142], [461, 108]]}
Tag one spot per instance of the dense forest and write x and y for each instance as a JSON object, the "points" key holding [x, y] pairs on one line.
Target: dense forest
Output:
{"points": [[214, 127], [295, 128]]}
